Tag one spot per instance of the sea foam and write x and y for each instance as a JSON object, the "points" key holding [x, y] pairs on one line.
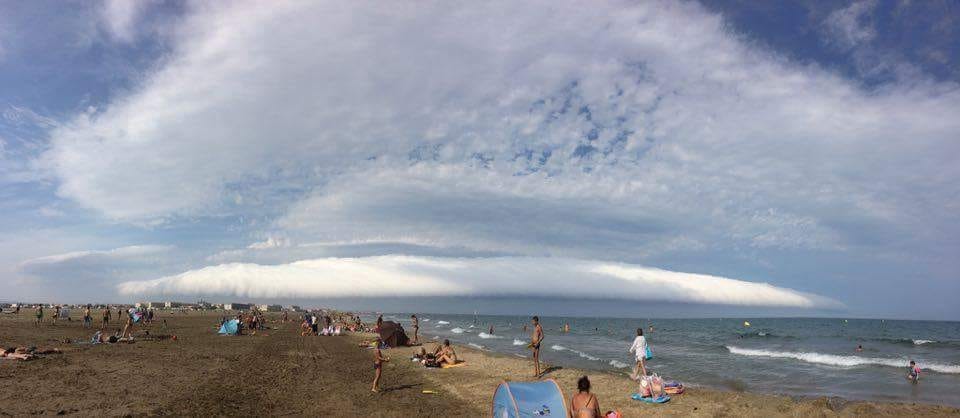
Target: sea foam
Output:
{"points": [[484, 335], [457, 330], [842, 361], [518, 342]]}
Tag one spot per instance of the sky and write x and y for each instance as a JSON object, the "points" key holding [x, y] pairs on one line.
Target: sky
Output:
{"points": [[721, 157]]}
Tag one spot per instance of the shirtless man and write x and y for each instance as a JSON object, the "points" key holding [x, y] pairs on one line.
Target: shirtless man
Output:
{"points": [[39, 315], [105, 319], [56, 314], [535, 339], [416, 328]]}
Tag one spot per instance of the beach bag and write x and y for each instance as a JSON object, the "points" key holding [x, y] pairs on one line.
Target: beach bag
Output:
{"points": [[649, 354]]}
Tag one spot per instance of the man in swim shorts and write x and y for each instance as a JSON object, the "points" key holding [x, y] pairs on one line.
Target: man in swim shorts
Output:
{"points": [[415, 323], [39, 315], [535, 339]]}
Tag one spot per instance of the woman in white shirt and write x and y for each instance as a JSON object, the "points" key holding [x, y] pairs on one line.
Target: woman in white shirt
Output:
{"points": [[639, 347]]}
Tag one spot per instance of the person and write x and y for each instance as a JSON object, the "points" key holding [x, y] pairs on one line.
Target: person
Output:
{"points": [[447, 354], [914, 374], [651, 327], [378, 360], [490, 331], [584, 404], [56, 314], [535, 339], [639, 347], [128, 328], [379, 323], [39, 315], [566, 327], [87, 319], [859, 348], [105, 319], [416, 328], [285, 317]]}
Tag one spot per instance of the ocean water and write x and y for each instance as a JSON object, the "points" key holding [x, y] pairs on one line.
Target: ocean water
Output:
{"points": [[792, 356]]}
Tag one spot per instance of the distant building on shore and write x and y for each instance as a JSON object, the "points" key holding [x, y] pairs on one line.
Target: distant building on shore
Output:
{"points": [[237, 306], [270, 308]]}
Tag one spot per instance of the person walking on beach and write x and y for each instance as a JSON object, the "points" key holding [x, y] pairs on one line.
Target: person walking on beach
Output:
{"points": [[584, 404], [416, 328], [56, 314], [639, 348], [378, 360], [535, 339], [39, 315]]}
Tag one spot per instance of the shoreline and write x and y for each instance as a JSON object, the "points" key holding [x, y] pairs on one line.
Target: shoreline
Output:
{"points": [[484, 369]]}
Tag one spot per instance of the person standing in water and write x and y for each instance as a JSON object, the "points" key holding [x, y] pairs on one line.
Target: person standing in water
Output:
{"points": [[535, 339], [490, 331], [914, 375], [416, 328], [639, 347]]}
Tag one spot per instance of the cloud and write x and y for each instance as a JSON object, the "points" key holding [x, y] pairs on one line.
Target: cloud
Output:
{"points": [[81, 265], [851, 26], [389, 276], [627, 133], [120, 18]]}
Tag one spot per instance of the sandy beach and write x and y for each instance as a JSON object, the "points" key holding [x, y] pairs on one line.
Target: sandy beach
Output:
{"points": [[277, 372]]}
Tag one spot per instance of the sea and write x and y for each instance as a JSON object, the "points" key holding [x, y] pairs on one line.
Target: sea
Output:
{"points": [[803, 357]]}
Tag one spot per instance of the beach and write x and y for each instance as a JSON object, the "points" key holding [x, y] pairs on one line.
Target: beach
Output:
{"points": [[278, 372]]}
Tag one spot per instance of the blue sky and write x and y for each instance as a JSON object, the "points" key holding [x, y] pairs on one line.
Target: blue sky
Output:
{"points": [[795, 156]]}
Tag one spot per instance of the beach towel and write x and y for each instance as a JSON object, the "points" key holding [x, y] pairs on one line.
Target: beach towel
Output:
{"points": [[450, 366], [650, 399]]}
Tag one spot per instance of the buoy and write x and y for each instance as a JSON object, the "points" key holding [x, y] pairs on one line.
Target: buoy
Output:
{"points": [[746, 324]]}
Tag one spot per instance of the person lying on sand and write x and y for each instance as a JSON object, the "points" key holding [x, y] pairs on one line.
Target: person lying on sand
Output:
{"points": [[27, 353], [447, 354]]}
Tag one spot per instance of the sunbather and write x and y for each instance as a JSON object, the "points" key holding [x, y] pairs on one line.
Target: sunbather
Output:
{"points": [[447, 354]]}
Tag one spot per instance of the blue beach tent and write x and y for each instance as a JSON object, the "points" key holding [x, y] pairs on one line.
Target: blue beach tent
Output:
{"points": [[230, 327], [529, 399]]}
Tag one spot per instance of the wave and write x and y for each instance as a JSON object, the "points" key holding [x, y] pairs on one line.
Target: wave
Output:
{"points": [[619, 364], [484, 335], [425, 319], [921, 342], [457, 330], [558, 347], [518, 342], [443, 323], [477, 346], [842, 361]]}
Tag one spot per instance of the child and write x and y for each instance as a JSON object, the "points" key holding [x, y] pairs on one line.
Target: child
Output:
{"points": [[914, 375], [378, 360]]}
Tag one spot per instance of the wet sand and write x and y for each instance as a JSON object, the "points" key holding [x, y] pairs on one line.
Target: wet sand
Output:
{"points": [[277, 372]]}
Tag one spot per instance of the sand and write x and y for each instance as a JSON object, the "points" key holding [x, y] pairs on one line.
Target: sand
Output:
{"points": [[277, 372]]}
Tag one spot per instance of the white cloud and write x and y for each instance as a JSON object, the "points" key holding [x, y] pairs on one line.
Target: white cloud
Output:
{"points": [[851, 26], [74, 256], [387, 276], [121, 17], [615, 132]]}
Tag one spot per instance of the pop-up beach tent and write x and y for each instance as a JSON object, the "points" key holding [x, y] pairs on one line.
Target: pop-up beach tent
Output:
{"points": [[230, 327], [391, 333], [529, 399]]}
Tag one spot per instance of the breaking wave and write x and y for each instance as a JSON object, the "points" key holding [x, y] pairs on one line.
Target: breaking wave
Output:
{"points": [[484, 335], [842, 361]]}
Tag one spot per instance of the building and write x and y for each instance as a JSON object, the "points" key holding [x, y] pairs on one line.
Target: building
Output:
{"points": [[237, 306]]}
